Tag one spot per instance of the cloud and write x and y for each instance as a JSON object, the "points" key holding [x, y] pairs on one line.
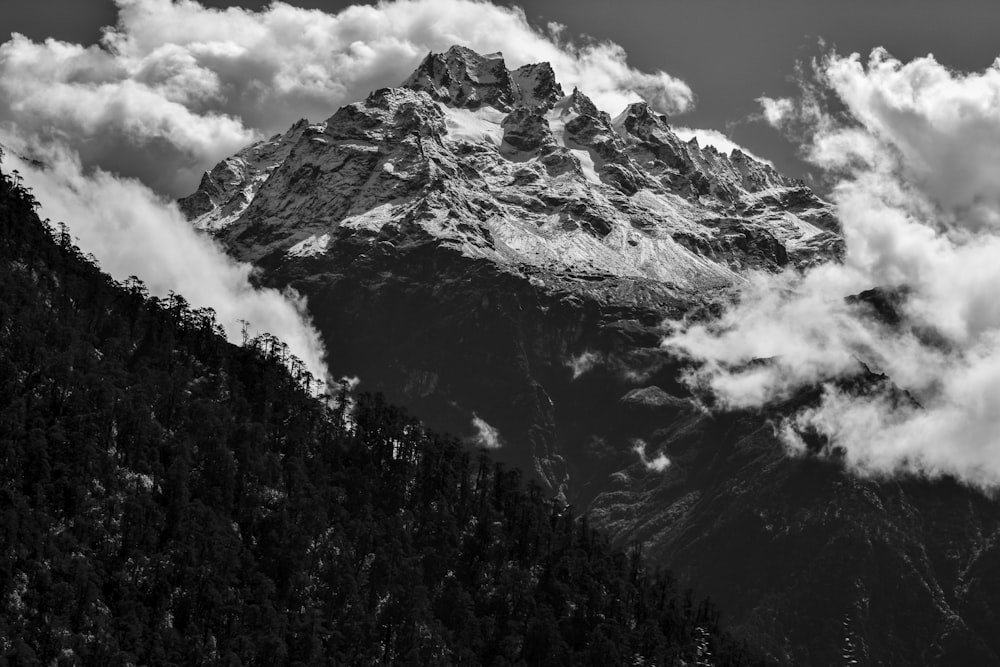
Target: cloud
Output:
{"points": [[914, 151], [717, 140], [943, 127], [634, 370], [486, 436], [658, 464], [350, 383], [776, 111], [584, 363], [175, 86], [133, 231], [88, 99]]}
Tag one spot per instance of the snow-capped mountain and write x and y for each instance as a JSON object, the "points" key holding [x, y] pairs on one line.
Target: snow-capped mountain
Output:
{"points": [[502, 165], [498, 254], [502, 173]]}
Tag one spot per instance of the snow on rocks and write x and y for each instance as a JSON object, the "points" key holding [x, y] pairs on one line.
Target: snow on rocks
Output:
{"points": [[501, 165]]}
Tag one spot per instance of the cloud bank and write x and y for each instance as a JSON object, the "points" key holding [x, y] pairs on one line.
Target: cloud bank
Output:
{"points": [[175, 87], [914, 150], [133, 231]]}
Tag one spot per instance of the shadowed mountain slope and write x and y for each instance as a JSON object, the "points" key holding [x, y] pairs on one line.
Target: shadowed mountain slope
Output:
{"points": [[168, 498]]}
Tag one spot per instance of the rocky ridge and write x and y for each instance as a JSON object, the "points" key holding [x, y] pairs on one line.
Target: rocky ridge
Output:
{"points": [[501, 165], [469, 176]]}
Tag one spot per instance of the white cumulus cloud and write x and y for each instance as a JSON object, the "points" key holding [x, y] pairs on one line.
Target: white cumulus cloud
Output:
{"points": [[914, 149], [776, 111], [176, 86]]}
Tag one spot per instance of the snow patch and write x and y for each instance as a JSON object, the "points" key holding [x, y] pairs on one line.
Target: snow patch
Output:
{"points": [[474, 125], [557, 118], [586, 164], [372, 219], [310, 247]]}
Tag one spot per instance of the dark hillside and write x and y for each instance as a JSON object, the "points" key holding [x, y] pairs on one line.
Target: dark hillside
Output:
{"points": [[169, 498]]}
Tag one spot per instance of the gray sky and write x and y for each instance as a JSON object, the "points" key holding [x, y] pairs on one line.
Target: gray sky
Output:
{"points": [[729, 51]]}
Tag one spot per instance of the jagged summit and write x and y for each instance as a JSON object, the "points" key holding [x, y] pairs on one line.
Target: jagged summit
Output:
{"points": [[537, 85], [464, 78], [502, 165], [461, 77]]}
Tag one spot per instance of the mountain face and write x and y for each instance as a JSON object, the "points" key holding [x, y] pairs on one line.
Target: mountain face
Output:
{"points": [[498, 254], [170, 499], [401, 216]]}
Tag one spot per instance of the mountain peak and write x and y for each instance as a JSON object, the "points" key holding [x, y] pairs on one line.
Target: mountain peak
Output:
{"points": [[537, 85], [579, 102], [462, 77], [503, 166]]}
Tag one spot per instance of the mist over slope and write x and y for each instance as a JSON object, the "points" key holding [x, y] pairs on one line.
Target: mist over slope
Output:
{"points": [[916, 192]]}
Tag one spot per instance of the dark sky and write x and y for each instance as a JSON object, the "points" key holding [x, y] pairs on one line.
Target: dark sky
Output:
{"points": [[728, 51]]}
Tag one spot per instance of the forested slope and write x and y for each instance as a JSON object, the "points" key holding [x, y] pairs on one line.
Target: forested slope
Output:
{"points": [[169, 498]]}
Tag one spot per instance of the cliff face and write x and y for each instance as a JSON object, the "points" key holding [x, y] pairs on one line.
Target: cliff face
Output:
{"points": [[498, 255]]}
